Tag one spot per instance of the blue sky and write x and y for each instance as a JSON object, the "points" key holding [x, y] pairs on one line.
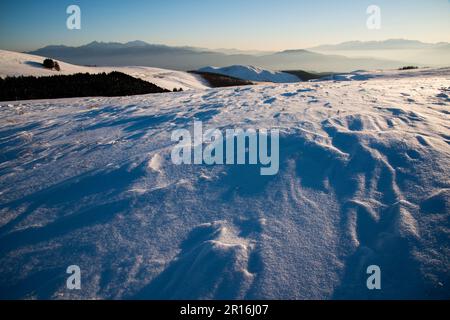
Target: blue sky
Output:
{"points": [[243, 24]]}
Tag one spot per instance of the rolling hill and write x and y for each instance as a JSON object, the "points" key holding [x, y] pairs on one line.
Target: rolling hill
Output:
{"points": [[21, 64]]}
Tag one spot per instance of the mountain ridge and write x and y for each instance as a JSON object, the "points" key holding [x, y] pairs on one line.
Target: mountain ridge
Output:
{"points": [[140, 53], [379, 45]]}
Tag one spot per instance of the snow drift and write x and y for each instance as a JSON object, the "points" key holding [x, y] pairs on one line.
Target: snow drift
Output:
{"points": [[364, 180], [251, 73]]}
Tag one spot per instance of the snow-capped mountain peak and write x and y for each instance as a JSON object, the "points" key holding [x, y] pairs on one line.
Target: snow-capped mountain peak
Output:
{"points": [[252, 73]]}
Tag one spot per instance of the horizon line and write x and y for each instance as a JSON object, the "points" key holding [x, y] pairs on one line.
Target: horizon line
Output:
{"points": [[233, 48]]}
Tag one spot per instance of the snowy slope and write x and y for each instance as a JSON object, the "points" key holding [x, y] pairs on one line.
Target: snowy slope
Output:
{"points": [[364, 179], [251, 73], [18, 64]]}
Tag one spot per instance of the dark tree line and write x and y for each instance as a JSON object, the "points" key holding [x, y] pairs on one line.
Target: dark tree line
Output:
{"points": [[76, 85], [408, 68]]}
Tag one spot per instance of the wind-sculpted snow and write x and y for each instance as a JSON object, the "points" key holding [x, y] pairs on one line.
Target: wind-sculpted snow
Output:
{"points": [[363, 180]]}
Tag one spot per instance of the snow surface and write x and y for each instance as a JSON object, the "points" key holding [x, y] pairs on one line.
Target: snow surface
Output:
{"points": [[251, 73], [364, 179], [15, 64]]}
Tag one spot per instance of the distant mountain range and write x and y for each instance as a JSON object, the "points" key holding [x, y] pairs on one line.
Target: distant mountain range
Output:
{"points": [[391, 44], [437, 54], [191, 58], [140, 53]]}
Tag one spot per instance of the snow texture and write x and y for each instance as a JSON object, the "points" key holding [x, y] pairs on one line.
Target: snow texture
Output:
{"points": [[364, 180]]}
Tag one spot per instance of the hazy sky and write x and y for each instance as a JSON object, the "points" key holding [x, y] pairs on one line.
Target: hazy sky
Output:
{"points": [[243, 24]]}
